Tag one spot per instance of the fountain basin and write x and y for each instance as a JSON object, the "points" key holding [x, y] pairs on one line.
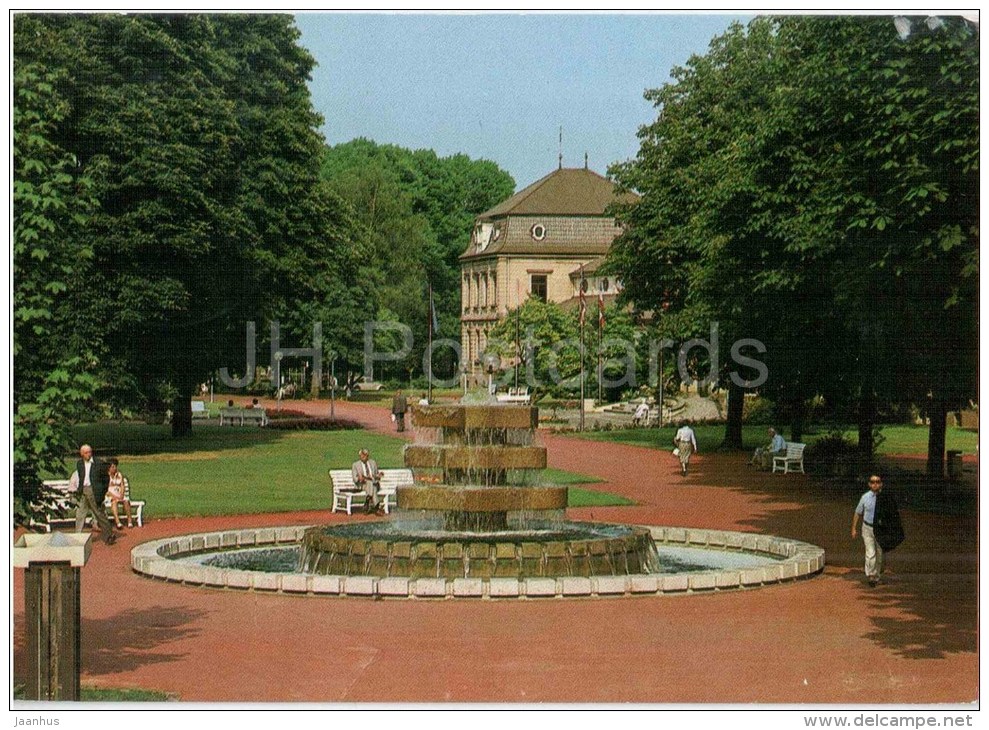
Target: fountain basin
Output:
{"points": [[382, 550], [475, 457], [790, 560], [440, 497], [474, 418]]}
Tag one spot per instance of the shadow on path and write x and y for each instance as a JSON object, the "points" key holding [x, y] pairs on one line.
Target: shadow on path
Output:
{"points": [[928, 606]]}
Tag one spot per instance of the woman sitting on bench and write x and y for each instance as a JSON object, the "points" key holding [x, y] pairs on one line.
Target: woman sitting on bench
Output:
{"points": [[118, 493]]}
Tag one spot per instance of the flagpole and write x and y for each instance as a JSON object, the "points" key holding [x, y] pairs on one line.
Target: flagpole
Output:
{"points": [[429, 366], [600, 335], [583, 315]]}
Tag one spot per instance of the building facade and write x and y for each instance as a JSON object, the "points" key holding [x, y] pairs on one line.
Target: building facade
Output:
{"points": [[536, 243]]}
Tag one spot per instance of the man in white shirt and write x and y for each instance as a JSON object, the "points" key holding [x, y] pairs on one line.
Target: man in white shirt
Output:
{"points": [[763, 456], [367, 477], [866, 511], [93, 480]]}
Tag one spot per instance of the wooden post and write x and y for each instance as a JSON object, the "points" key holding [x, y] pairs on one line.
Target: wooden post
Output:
{"points": [[52, 612]]}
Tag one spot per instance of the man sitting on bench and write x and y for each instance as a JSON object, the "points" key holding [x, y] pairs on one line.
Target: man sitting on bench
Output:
{"points": [[367, 477], [763, 456]]}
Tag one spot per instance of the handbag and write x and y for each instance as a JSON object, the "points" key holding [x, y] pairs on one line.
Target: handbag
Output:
{"points": [[888, 527], [676, 450]]}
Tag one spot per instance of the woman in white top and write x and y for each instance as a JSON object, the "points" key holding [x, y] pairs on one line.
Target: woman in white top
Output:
{"points": [[686, 444]]}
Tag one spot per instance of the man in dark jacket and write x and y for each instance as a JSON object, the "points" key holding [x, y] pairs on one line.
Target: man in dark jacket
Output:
{"points": [[399, 406], [94, 480]]}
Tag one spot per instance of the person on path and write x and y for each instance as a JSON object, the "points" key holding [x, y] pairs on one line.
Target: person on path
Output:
{"points": [[367, 476], [866, 512], [423, 400], [93, 484], [686, 444], [399, 406]]}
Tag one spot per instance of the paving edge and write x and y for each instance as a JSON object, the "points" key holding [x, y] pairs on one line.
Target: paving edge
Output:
{"points": [[799, 560]]}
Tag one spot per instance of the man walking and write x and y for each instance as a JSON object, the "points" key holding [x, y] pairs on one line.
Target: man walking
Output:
{"points": [[866, 512], [94, 480], [399, 406]]}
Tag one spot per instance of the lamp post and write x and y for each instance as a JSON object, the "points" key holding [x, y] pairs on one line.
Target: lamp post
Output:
{"points": [[278, 378], [333, 384]]}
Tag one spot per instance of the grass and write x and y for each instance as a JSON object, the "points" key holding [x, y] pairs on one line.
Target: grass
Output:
{"points": [[95, 694], [896, 439], [250, 471]]}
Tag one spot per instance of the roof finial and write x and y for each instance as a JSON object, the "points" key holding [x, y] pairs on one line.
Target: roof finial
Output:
{"points": [[561, 147], [585, 160]]}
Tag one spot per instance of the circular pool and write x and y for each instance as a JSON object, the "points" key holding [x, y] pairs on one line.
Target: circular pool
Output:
{"points": [[688, 561]]}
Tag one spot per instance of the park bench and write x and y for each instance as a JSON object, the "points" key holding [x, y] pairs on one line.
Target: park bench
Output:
{"points": [[241, 416], [345, 494], [199, 409], [61, 504], [792, 460], [515, 395]]}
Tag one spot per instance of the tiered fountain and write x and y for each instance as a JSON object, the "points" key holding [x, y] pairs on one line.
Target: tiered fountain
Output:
{"points": [[478, 511]]}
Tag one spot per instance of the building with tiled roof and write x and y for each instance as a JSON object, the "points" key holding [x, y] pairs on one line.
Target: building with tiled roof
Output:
{"points": [[535, 243]]}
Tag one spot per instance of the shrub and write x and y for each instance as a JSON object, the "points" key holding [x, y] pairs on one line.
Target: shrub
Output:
{"points": [[831, 454], [313, 424], [275, 415], [757, 411]]}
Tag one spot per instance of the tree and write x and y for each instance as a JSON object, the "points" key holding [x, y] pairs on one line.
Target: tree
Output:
{"points": [[52, 196], [418, 210], [211, 210], [815, 175]]}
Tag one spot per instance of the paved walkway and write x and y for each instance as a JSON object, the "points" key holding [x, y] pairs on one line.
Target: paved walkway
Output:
{"points": [[829, 639]]}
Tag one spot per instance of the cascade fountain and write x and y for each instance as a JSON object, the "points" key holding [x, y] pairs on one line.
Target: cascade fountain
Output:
{"points": [[478, 511], [477, 522]]}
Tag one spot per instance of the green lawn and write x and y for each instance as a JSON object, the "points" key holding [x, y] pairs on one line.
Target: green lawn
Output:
{"points": [[897, 439], [246, 470]]}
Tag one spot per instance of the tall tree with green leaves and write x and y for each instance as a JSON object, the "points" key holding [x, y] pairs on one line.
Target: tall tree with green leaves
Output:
{"points": [[833, 219], [52, 198], [418, 210]]}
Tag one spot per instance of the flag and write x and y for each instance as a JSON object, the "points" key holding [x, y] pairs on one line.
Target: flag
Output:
{"points": [[600, 311], [432, 312], [583, 304]]}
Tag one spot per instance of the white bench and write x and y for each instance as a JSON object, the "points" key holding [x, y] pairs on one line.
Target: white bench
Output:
{"points": [[515, 395], [792, 460], [240, 416], [199, 409], [345, 493], [62, 505]]}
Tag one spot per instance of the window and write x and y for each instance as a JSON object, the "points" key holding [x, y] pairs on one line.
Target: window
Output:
{"points": [[604, 284], [538, 231], [537, 286]]}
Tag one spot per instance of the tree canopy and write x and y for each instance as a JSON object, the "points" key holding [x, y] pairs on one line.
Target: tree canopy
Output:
{"points": [[812, 182], [417, 210]]}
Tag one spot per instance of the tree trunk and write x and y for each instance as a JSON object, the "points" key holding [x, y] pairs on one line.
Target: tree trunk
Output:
{"points": [[798, 415], [182, 415], [866, 422], [936, 436], [733, 424]]}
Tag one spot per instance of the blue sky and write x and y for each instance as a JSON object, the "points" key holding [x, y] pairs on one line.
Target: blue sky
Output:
{"points": [[499, 86]]}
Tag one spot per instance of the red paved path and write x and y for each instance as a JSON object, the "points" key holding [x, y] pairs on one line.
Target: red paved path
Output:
{"points": [[829, 639]]}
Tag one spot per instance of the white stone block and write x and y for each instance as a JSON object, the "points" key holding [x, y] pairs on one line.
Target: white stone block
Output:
{"points": [[643, 583], [672, 583], [468, 587], [702, 581], [503, 587], [359, 585], [326, 584], [294, 583], [610, 585], [540, 587], [576, 586], [430, 587]]}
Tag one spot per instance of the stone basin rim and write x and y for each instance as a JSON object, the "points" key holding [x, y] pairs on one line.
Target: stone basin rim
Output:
{"points": [[799, 560]]}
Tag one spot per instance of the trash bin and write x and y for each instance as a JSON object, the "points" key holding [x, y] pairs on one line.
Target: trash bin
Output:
{"points": [[954, 464]]}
